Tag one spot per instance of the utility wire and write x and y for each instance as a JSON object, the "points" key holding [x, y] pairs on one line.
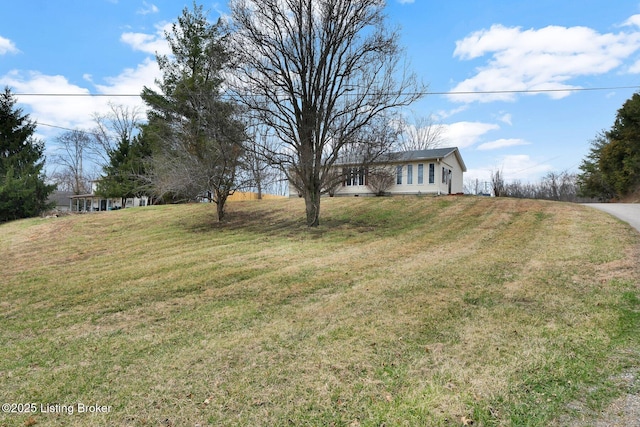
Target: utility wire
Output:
{"points": [[61, 127], [426, 93], [497, 92], [71, 95]]}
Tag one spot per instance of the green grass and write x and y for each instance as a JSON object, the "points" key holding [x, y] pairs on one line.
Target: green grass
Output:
{"points": [[395, 311]]}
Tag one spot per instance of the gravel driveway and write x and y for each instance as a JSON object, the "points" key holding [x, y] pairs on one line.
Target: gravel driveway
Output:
{"points": [[628, 212]]}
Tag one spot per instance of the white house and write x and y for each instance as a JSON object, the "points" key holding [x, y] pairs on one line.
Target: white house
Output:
{"points": [[435, 171], [92, 202]]}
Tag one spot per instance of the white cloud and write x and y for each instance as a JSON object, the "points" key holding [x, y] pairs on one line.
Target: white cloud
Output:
{"points": [[538, 59], [465, 134], [522, 167], [518, 167], [502, 143], [634, 68], [442, 114], [76, 112], [7, 46], [147, 9], [633, 21], [54, 112], [505, 118], [481, 174], [132, 80], [149, 43]]}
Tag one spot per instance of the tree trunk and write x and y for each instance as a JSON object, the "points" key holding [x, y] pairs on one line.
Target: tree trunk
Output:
{"points": [[220, 199], [312, 205], [259, 188]]}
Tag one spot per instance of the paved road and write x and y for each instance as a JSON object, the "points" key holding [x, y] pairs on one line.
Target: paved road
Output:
{"points": [[628, 212]]}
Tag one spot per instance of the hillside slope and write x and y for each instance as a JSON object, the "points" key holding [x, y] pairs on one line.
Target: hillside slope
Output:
{"points": [[395, 311]]}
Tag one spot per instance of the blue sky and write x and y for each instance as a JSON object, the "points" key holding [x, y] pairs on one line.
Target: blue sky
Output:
{"points": [[107, 47]]}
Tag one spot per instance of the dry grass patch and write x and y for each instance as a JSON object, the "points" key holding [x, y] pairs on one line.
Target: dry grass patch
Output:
{"points": [[395, 311]]}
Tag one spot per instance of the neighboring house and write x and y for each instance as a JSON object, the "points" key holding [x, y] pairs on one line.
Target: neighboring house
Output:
{"points": [[92, 202], [61, 200], [436, 171]]}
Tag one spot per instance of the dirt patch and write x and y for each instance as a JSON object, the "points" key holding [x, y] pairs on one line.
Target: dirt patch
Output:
{"points": [[622, 412]]}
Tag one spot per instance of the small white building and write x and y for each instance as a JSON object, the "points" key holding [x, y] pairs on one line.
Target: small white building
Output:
{"points": [[435, 172], [93, 203]]}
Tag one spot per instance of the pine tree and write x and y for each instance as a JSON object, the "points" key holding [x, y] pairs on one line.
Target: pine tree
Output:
{"points": [[23, 191], [612, 167], [124, 175], [200, 139]]}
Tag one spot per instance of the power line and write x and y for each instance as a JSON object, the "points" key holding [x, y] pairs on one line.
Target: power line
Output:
{"points": [[61, 127], [71, 95], [497, 92], [426, 93]]}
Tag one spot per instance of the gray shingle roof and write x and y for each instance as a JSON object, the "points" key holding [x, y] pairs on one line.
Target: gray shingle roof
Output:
{"points": [[435, 153], [410, 156]]}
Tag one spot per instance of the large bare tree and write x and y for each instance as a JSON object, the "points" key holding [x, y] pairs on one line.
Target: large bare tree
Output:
{"points": [[420, 133], [325, 76], [75, 167], [120, 124]]}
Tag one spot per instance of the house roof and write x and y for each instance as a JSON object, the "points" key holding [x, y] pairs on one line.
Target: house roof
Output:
{"points": [[416, 155], [434, 153], [411, 156]]}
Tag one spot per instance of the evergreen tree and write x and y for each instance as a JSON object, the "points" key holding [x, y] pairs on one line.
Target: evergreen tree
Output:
{"points": [[124, 175], [199, 136], [592, 181], [612, 167], [23, 191]]}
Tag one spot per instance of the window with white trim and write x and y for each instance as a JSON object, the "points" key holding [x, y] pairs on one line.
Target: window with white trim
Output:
{"points": [[354, 176], [399, 175]]}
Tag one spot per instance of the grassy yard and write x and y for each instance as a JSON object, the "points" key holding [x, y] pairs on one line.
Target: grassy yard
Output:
{"points": [[395, 311]]}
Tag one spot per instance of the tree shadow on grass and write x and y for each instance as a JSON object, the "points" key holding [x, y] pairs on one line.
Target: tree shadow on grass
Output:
{"points": [[274, 221]]}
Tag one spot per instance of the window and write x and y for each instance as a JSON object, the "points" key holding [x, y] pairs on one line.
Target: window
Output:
{"points": [[420, 173], [354, 176], [432, 173], [399, 175], [409, 174]]}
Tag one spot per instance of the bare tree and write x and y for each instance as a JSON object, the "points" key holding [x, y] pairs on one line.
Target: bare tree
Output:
{"points": [[119, 124], [261, 173], [322, 75], [559, 186], [569, 187], [497, 183], [72, 158], [476, 187], [380, 179], [420, 133]]}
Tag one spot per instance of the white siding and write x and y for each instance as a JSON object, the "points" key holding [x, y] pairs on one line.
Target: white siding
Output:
{"points": [[450, 163]]}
